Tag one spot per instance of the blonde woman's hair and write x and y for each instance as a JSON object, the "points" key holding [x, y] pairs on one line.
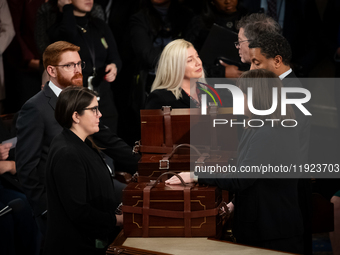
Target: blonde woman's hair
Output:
{"points": [[171, 67]]}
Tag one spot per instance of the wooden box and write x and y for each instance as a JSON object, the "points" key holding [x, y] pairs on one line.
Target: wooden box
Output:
{"points": [[150, 165], [159, 210], [162, 130]]}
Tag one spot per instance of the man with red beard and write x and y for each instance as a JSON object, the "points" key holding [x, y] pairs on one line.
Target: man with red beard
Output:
{"points": [[36, 128]]}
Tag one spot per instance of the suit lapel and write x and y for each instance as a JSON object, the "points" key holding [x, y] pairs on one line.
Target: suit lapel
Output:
{"points": [[48, 92], [291, 81]]}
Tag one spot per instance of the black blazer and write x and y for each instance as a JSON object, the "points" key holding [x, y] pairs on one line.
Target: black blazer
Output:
{"points": [[265, 208], [81, 198], [36, 128], [164, 97], [304, 185], [304, 125]]}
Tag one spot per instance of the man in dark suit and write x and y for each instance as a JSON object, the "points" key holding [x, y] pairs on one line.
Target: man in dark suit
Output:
{"points": [[36, 127], [272, 51]]}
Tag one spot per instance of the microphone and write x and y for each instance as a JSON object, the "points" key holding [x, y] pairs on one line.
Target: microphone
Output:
{"points": [[14, 205]]}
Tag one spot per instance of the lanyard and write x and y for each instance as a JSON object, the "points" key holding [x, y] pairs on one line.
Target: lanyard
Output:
{"points": [[90, 47]]}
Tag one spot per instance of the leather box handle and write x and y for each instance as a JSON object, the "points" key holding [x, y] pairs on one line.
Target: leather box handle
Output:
{"points": [[159, 179], [164, 163], [167, 125]]}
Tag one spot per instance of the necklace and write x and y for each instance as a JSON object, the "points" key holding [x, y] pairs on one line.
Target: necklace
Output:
{"points": [[82, 29]]}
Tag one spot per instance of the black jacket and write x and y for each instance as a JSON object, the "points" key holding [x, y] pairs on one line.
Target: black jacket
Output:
{"points": [[265, 208], [81, 197], [164, 97], [304, 124]]}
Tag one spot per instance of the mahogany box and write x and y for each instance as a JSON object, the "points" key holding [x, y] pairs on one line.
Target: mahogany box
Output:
{"points": [[167, 145], [163, 130], [153, 209], [150, 166]]}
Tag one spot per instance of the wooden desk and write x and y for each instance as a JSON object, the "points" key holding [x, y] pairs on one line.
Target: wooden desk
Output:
{"points": [[189, 246]]}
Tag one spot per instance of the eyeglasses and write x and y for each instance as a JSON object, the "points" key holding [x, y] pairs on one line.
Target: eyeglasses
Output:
{"points": [[237, 43], [94, 109], [70, 67]]}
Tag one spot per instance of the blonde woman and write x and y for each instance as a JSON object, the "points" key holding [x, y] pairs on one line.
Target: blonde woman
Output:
{"points": [[178, 68]]}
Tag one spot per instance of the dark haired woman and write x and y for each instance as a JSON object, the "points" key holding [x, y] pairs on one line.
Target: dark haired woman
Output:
{"points": [[80, 191], [47, 15], [266, 211]]}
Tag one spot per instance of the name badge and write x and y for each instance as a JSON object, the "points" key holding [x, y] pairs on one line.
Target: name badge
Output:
{"points": [[104, 43]]}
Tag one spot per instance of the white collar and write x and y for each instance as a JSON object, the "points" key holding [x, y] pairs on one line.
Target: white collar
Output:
{"points": [[285, 74], [54, 88]]}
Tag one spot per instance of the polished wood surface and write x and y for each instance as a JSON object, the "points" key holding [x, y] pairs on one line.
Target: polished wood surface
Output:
{"points": [[190, 246], [124, 250]]}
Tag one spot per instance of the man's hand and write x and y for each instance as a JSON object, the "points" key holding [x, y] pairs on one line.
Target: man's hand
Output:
{"points": [[61, 4], [7, 166], [111, 70], [185, 176], [231, 71], [4, 150]]}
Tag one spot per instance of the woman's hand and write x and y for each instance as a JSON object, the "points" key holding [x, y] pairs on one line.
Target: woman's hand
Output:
{"points": [[231, 207], [111, 70], [61, 4], [185, 176], [119, 219]]}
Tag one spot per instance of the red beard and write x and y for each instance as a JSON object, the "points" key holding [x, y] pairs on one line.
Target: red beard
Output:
{"points": [[75, 80]]}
